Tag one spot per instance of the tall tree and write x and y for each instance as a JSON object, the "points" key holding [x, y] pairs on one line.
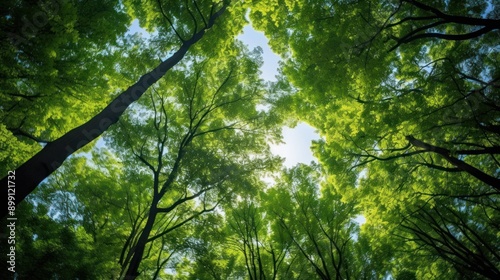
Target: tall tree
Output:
{"points": [[319, 224], [405, 95], [196, 144], [200, 138], [263, 253], [54, 153]]}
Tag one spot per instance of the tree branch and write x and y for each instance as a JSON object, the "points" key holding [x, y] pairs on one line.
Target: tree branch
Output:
{"points": [[456, 19], [446, 154], [170, 22], [205, 210], [184, 199]]}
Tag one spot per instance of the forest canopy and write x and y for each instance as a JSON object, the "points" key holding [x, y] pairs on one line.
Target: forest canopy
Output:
{"points": [[147, 156]]}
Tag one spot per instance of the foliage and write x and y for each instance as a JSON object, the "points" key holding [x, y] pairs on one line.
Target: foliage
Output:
{"points": [[57, 60], [404, 93]]}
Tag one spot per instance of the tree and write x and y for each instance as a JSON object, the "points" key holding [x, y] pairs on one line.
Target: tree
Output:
{"points": [[455, 234], [263, 255], [319, 225], [208, 109], [404, 94], [54, 153], [179, 160]]}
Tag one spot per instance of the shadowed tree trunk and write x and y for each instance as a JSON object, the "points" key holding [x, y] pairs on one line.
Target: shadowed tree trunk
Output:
{"points": [[41, 165], [197, 117]]}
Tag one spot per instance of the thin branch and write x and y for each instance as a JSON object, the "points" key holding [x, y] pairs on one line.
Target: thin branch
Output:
{"points": [[20, 132], [410, 18], [184, 199], [199, 12], [140, 156], [410, 36], [170, 22], [192, 17], [205, 210], [441, 168]]}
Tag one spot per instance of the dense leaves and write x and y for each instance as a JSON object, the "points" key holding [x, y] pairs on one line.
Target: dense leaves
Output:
{"points": [[404, 94], [56, 62]]}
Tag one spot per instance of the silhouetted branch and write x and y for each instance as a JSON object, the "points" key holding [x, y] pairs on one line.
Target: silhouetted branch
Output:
{"points": [[170, 22], [446, 154]]}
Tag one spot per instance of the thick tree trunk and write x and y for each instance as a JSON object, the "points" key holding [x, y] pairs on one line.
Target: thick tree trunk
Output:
{"points": [[41, 165]]}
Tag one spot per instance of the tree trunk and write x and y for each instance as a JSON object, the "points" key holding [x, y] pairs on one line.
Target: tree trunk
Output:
{"points": [[41, 165], [133, 268]]}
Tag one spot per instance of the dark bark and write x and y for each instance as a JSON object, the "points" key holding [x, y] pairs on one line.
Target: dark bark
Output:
{"points": [[133, 268], [491, 128], [494, 23], [137, 252], [446, 233], [41, 165], [460, 164], [439, 18]]}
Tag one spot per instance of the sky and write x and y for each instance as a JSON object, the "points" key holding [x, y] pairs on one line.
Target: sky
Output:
{"points": [[297, 141]]}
